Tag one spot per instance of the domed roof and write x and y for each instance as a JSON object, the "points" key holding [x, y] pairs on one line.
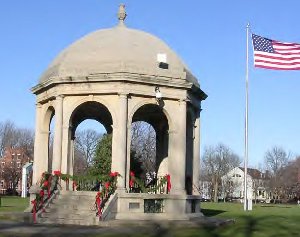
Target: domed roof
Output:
{"points": [[118, 49]]}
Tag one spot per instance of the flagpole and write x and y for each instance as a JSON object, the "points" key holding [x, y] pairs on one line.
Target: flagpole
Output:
{"points": [[246, 204]]}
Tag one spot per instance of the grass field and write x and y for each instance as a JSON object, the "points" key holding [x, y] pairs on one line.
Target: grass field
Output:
{"points": [[263, 221], [13, 204]]}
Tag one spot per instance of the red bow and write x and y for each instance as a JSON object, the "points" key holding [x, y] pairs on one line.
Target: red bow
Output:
{"points": [[49, 186], [34, 202], [114, 174], [46, 183], [106, 185], [57, 172], [132, 178], [168, 183], [98, 203], [74, 185]]}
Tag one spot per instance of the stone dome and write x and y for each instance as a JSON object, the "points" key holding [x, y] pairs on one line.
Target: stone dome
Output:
{"points": [[117, 49]]}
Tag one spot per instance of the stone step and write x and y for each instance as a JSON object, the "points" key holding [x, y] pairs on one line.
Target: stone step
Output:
{"points": [[76, 208], [68, 215], [62, 210], [70, 207], [75, 198], [78, 193], [84, 202], [66, 221]]}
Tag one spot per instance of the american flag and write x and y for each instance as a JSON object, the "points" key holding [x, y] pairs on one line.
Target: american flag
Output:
{"points": [[272, 54]]}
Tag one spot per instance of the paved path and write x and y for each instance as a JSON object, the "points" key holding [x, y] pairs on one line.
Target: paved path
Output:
{"points": [[110, 228], [9, 228]]}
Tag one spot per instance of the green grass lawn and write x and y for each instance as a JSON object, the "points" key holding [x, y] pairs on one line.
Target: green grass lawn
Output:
{"points": [[13, 204], [264, 220]]}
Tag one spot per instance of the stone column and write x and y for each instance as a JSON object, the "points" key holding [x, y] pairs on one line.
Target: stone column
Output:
{"points": [[57, 142], [119, 146], [71, 157], [196, 157], [177, 162], [65, 152], [39, 160]]}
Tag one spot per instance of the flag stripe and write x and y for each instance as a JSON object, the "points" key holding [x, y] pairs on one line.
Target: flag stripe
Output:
{"points": [[275, 68], [273, 54], [277, 62], [272, 57]]}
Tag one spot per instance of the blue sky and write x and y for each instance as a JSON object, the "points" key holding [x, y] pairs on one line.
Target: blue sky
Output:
{"points": [[210, 37]]}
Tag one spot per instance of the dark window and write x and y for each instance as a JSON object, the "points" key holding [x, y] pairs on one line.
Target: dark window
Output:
{"points": [[153, 205]]}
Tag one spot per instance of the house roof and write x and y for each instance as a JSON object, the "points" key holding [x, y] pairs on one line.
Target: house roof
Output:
{"points": [[255, 173]]}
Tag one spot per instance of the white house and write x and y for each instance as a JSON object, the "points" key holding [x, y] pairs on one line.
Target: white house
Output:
{"points": [[257, 184]]}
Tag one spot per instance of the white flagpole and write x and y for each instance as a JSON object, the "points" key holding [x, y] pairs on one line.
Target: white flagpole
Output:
{"points": [[246, 204]]}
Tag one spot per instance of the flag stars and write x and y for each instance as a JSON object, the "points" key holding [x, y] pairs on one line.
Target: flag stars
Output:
{"points": [[262, 44]]}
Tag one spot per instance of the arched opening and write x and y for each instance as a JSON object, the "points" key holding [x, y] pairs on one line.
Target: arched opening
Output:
{"points": [[49, 123], [87, 136], [149, 142], [89, 123]]}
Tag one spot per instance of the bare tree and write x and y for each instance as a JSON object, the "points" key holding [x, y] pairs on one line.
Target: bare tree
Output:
{"points": [[7, 135], [143, 143], [218, 161], [276, 159], [25, 140], [228, 186], [85, 145], [80, 163], [14, 137], [288, 182]]}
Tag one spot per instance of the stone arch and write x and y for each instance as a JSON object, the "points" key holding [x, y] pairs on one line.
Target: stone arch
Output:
{"points": [[145, 102], [45, 128], [87, 109], [91, 110], [155, 115], [79, 102], [48, 115]]}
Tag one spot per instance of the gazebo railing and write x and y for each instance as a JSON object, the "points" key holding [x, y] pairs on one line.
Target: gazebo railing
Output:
{"points": [[159, 185]]}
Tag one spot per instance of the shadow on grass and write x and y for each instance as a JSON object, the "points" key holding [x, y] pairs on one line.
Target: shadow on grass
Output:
{"points": [[211, 212], [275, 206]]}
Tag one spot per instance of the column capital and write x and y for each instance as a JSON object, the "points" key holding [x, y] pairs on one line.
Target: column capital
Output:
{"points": [[60, 97], [123, 95]]}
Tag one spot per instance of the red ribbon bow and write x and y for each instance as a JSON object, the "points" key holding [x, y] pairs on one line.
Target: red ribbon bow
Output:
{"points": [[98, 203], [168, 183], [57, 172], [34, 203]]}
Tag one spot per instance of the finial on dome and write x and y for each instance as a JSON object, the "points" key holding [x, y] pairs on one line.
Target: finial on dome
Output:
{"points": [[122, 14]]}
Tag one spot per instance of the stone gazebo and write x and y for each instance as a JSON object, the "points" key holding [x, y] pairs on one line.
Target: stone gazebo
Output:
{"points": [[118, 76]]}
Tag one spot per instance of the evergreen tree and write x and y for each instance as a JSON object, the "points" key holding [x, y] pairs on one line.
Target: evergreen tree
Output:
{"points": [[102, 162]]}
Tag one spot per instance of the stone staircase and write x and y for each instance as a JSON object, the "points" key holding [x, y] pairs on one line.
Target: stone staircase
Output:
{"points": [[76, 208]]}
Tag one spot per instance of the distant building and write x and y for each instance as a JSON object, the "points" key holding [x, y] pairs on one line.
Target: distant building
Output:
{"points": [[257, 184], [11, 169]]}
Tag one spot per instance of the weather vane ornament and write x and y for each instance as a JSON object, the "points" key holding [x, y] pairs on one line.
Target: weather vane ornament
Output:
{"points": [[122, 13]]}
